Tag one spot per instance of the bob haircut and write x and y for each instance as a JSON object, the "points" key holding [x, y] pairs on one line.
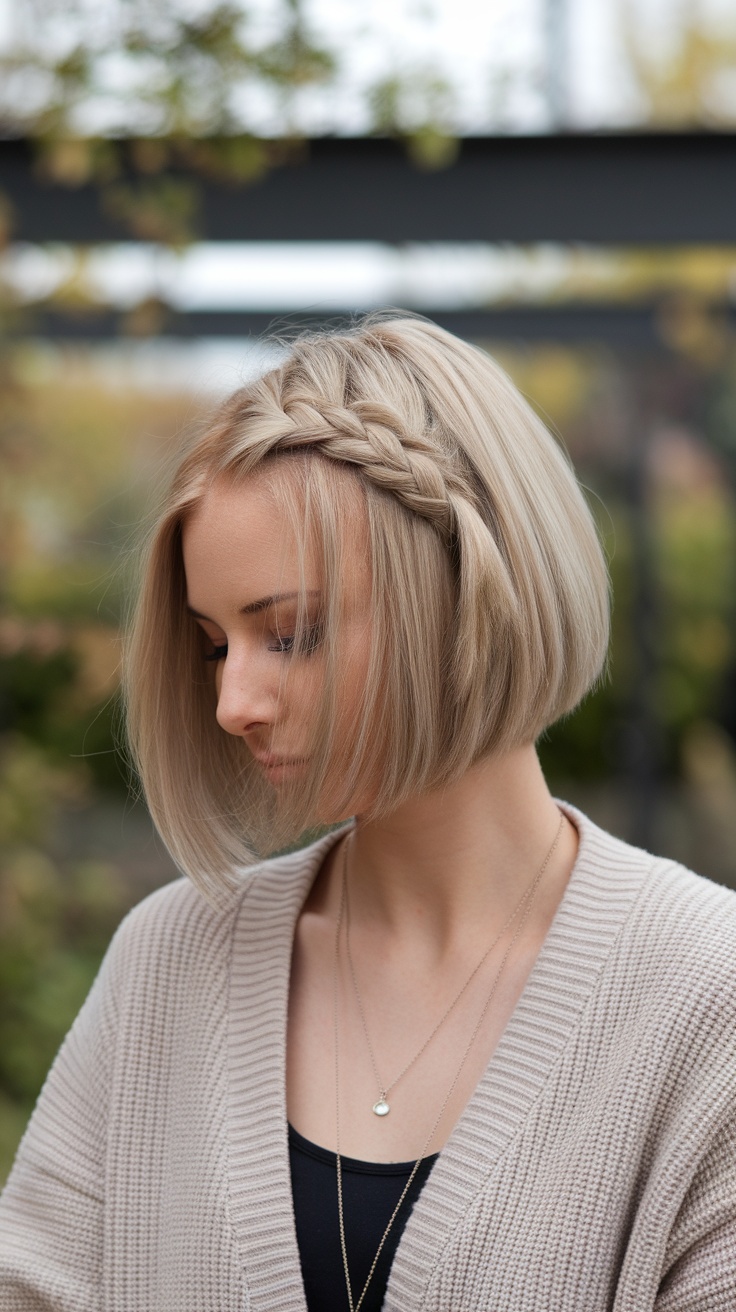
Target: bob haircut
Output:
{"points": [[490, 593]]}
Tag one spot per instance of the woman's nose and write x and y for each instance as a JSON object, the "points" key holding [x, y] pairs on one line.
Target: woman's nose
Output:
{"points": [[243, 700]]}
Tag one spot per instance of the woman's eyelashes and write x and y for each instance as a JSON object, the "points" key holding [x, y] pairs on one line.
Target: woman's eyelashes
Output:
{"points": [[281, 642], [310, 640]]}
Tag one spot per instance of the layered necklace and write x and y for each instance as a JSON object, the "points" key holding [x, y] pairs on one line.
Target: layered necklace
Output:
{"points": [[382, 1107]]}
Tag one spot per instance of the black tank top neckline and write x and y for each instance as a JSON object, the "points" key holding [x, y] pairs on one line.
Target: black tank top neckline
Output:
{"points": [[353, 1163], [371, 1191]]}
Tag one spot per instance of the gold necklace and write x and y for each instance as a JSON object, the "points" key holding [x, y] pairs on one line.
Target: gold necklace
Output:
{"points": [[525, 907], [381, 1106]]}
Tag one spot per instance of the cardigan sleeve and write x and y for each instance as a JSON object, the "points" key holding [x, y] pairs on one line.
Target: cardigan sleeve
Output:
{"points": [[51, 1211], [700, 1262]]}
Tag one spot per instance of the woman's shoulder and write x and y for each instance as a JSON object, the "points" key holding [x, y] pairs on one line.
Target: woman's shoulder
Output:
{"points": [[179, 920], [654, 945], [677, 925]]}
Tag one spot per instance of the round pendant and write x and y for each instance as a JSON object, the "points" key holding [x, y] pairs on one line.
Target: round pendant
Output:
{"points": [[381, 1108]]}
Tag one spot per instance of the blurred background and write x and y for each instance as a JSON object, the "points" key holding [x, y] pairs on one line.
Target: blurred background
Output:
{"points": [[553, 179]]}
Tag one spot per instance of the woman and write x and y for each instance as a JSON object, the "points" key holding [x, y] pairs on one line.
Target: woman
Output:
{"points": [[465, 1050]]}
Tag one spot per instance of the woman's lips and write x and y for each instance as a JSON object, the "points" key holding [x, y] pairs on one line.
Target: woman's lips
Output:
{"points": [[281, 767]]}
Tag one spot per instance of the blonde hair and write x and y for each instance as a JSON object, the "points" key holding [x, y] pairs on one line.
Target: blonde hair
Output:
{"points": [[490, 594]]}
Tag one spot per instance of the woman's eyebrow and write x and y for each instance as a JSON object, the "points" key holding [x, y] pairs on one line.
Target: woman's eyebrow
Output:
{"points": [[262, 604]]}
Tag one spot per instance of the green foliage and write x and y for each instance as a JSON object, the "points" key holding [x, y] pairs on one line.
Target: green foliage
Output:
{"points": [[55, 922], [177, 82], [583, 746], [66, 588], [13, 1118], [143, 100], [696, 569], [693, 562], [172, 73], [720, 415], [161, 209], [45, 698], [30, 690], [78, 462], [686, 82], [686, 526], [419, 107]]}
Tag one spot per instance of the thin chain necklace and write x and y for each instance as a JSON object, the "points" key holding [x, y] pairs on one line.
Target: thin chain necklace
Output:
{"points": [[524, 906], [381, 1106]]}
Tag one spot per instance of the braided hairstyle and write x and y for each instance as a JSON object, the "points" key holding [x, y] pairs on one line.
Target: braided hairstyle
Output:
{"points": [[490, 591]]}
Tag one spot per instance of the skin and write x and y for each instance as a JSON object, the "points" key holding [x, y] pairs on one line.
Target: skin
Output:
{"points": [[430, 885]]}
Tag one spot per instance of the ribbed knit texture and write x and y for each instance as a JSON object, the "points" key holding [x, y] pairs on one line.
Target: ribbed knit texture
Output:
{"points": [[593, 1169]]}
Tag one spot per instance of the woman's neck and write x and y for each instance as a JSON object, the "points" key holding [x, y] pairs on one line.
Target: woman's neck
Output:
{"points": [[451, 866], [430, 890]]}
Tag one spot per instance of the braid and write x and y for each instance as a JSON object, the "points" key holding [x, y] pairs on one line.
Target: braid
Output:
{"points": [[370, 436]]}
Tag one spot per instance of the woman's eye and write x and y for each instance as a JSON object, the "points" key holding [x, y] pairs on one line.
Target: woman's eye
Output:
{"points": [[217, 653], [285, 642], [282, 644]]}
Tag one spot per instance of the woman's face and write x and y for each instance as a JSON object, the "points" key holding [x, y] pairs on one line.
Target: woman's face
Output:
{"points": [[242, 571]]}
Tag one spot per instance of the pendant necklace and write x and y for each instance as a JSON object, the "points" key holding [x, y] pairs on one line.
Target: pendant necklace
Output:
{"points": [[524, 907], [381, 1107]]}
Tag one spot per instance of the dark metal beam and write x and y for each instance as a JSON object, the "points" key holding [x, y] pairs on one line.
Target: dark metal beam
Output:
{"points": [[633, 188], [626, 327]]}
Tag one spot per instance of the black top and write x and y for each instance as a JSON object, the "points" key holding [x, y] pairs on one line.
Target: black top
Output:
{"points": [[370, 1192]]}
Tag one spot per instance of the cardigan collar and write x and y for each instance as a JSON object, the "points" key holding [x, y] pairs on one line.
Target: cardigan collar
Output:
{"points": [[605, 879], [261, 1205]]}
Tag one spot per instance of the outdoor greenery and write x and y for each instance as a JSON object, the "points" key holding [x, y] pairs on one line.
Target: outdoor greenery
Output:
{"points": [[687, 79], [128, 94], [55, 923], [75, 461]]}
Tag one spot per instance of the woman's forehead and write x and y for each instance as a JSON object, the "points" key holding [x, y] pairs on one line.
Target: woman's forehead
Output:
{"points": [[239, 538], [244, 532]]}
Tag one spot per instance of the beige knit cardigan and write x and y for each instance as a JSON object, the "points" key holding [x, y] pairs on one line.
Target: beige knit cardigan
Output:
{"points": [[593, 1168]]}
